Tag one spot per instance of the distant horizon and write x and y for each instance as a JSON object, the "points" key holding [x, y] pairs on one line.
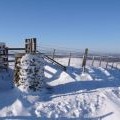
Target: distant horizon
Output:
{"points": [[58, 48]]}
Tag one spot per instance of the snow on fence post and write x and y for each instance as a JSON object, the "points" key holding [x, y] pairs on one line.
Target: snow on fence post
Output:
{"points": [[93, 59], [84, 60], [30, 45], [53, 56], [100, 61], [69, 59]]}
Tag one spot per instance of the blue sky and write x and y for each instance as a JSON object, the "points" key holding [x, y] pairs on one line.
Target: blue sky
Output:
{"points": [[66, 23]]}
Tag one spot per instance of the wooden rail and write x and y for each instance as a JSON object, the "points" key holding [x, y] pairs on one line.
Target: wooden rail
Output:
{"points": [[16, 48], [11, 61], [53, 61]]}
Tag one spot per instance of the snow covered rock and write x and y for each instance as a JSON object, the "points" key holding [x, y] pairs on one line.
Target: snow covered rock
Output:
{"points": [[31, 72]]}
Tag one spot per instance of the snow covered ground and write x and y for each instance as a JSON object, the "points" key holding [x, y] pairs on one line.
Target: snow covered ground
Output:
{"points": [[94, 95]]}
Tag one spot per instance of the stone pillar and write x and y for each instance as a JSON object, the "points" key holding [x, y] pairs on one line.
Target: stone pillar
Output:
{"points": [[31, 73]]}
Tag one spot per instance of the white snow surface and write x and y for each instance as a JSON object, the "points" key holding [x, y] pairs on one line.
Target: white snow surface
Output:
{"points": [[94, 95]]}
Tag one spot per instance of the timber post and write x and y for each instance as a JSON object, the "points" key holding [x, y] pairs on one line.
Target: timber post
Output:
{"points": [[100, 61], [3, 56], [69, 59], [53, 56], [107, 62], [84, 60], [30, 45], [93, 59], [112, 65], [17, 68]]}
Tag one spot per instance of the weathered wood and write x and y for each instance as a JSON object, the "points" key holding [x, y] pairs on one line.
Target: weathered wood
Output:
{"points": [[30, 45], [34, 45], [93, 59], [69, 59], [3, 56], [100, 61], [107, 62], [84, 59], [112, 65], [53, 61], [116, 65], [53, 56], [16, 48], [11, 61]]}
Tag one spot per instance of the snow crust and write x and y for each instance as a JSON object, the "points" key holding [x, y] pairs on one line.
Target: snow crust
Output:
{"points": [[94, 95]]}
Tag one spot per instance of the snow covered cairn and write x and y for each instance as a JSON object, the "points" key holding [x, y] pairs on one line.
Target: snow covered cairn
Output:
{"points": [[31, 72]]}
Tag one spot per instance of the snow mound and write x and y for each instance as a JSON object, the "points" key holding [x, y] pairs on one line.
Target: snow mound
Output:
{"points": [[85, 76], [94, 95], [31, 72]]}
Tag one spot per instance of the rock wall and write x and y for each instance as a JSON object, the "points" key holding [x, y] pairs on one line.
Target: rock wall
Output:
{"points": [[31, 73]]}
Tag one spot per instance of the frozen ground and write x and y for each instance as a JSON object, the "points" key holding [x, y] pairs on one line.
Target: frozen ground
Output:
{"points": [[94, 95]]}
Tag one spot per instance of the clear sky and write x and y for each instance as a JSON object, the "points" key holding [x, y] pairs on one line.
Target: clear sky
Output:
{"points": [[67, 23]]}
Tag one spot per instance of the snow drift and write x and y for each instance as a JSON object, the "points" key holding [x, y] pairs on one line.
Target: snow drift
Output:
{"points": [[94, 95]]}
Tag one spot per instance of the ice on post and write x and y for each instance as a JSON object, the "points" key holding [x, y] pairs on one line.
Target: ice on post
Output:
{"points": [[31, 72]]}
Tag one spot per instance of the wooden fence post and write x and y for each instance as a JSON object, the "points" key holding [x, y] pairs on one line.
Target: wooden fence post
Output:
{"points": [[107, 62], [3, 56], [116, 65], [112, 65], [100, 61], [34, 45], [69, 59], [93, 60], [53, 56], [84, 60], [30, 45], [6, 59], [26, 45]]}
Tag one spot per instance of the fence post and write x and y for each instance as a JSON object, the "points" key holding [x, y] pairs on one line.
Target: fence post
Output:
{"points": [[112, 65], [3, 56], [53, 54], [107, 62], [93, 60], [30, 45], [116, 65], [100, 61], [17, 68], [84, 60], [33, 41], [69, 59], [6, 59], [26, 45]]}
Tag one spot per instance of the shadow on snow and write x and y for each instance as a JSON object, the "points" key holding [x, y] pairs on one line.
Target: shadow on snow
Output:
{"points": [[61, 118]]}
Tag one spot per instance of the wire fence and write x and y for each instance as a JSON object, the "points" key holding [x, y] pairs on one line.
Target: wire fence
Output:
{"points": [[74, 57]]}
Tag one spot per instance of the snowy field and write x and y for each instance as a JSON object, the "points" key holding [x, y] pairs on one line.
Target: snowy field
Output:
{"points": [[94, 95]]}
